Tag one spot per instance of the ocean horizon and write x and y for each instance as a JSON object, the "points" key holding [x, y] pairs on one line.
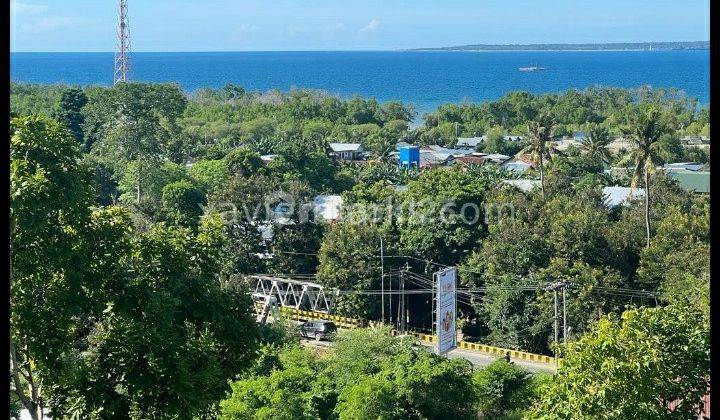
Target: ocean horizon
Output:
{"points": [[425, 79]]}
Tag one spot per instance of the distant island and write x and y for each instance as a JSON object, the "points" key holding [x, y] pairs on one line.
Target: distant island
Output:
{"points": [[613, 46]]}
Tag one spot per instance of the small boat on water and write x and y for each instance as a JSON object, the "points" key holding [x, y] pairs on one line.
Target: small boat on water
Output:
{"points": [[532, 68]]}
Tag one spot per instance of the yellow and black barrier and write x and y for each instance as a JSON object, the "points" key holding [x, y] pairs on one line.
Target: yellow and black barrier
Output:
{"points": [[340, 321], [499, 351], [349, 323]]}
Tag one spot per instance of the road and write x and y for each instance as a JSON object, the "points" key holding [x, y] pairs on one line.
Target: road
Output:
{"points": [[476, 358]]}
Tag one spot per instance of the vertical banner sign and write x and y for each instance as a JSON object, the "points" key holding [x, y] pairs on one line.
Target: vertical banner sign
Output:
{"points": [[446, 310]]}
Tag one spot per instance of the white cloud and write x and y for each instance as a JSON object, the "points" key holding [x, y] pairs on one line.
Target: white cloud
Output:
{"points": [[371, 27]]}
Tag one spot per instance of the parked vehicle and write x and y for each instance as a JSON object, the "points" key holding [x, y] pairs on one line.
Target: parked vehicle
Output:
{"points": [[318, 329]]}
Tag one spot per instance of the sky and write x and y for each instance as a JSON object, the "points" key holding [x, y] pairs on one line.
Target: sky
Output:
{"points": [[291, 25]]}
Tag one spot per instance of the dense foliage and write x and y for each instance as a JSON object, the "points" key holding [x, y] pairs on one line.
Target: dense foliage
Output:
{"points": [[633, 367], [134, 208], [368, 374]]}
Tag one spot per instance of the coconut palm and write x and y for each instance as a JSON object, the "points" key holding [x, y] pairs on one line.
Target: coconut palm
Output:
{"points": [[596, 143], [540, 134], [644, 129]]}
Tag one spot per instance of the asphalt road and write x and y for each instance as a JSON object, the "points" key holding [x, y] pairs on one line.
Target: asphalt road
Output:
{"points": [[476, 358]]}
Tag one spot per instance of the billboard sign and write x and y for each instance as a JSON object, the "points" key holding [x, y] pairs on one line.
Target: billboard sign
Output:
{"points": [[446, 310]]}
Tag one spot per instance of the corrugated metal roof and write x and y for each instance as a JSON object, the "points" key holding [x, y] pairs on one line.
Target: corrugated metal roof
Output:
{"points": [[345, 147], [469, 141], [615, 196], [526, 185], [696, 181], [327, 206]]}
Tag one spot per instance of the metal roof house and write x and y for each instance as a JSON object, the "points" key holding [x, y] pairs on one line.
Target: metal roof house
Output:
{"points": [[616, 196], [327, 207], [690, 166], [432, 159], [469, 142], [473, 142], [612, 196], [693, 181], [346, 151]]}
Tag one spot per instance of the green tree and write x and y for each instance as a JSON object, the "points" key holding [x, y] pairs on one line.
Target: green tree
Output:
{"points": [[284, 392], [633, 368], [349, 260], [596, 143], [502, 389], [540, 133], [182, 203], [295, 246], [442, 214], [494, 141], [411, 385], [209, 174], [395, 110], [154, 326], [134, 122], [49, 201], [243, 161], [678, 261], [69, 112], [645, 127]]}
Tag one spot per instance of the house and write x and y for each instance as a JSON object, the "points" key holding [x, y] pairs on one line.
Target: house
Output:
{"points": [[327, 207], [612, 196], [620, 144], [455, 152], [616, 196], [469, 142], [471, 160], [694, 140], [346, 151], [513, 138], [690, 166], [432, 159], [519, 163], [519, 167], [497, 158], [694, 181]]}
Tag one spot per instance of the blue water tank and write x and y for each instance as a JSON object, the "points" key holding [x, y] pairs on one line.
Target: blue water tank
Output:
{"points": [[410, 156]]}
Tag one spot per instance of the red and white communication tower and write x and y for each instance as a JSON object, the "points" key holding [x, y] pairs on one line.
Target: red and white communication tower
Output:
{"points": [[123, 48]]}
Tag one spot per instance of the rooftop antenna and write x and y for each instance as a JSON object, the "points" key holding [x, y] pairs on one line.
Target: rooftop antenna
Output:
{"points": [[123, 47]]}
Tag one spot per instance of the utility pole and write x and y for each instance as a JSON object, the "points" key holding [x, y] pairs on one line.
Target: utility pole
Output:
{"points": [[390, 295], [560, 285], [401, 304], [123, 47], [565, 328], [556, 326], [382, 280]]}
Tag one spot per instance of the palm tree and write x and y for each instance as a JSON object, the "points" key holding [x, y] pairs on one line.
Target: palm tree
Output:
{"points": [[645, 128], [540, 133], [596, 143]]}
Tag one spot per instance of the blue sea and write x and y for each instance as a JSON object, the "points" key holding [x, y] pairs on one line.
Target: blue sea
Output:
{"points": [[425, 79]]}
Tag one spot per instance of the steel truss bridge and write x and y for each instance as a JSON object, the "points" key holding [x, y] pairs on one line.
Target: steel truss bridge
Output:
{"points": [[271, 291]]}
